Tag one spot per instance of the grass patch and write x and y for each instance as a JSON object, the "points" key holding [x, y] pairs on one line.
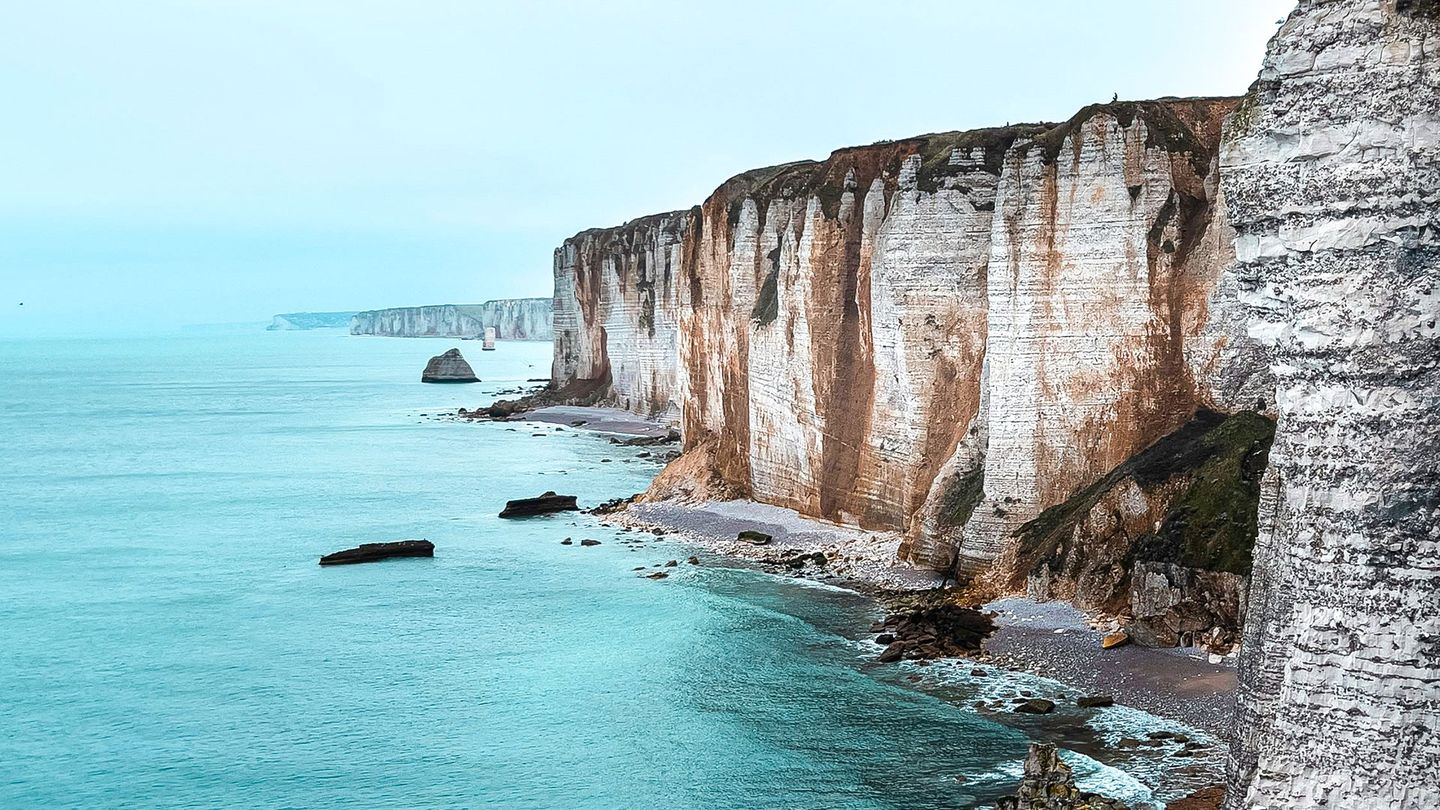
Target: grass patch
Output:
{"points": [[1212, 523]]}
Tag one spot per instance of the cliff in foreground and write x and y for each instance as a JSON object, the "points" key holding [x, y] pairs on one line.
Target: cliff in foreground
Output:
{"points": [[512, 318]]}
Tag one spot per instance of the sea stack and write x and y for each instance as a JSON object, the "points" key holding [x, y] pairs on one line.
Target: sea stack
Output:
{"points": [[449, 367]]}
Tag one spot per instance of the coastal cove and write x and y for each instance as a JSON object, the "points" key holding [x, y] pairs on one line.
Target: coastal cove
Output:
{"points": [[172, 640]]}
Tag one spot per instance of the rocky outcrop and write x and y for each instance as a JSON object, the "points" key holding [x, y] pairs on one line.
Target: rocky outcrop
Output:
{"points": [[1164, 539], [449, 367], [1049, 784], [298, 321], [512, 319], [374, 552], [1332, 175], [942, 335]]}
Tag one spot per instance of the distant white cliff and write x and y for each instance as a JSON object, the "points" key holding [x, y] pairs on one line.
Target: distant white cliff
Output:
{"points": [[291, 321], [513, 319]]}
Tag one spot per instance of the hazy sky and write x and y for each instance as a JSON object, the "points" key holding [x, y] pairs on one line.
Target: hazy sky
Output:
{"points": [[171, 163]]}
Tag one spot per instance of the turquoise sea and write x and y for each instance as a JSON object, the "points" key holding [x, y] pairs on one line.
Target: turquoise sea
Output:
{"points": [[169, 641]]}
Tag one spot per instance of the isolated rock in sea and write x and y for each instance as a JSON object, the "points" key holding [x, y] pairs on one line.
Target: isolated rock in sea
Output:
{"points": [[1332, 173], [371, 552], [588, 542], [1049, 784], [1095, 702], [511, 318], [543, 505], [449, 367]]}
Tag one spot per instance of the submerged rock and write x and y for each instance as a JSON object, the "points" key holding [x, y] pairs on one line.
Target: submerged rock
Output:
{"points": [[543, 505], [372, 552], [449, 367]]}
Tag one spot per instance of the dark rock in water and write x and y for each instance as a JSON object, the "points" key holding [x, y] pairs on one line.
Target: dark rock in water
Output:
{"points": [[671, 563], [1036, 706], [543, 505], [657, 575], [370, 552], [587, 542], [1049, 785], [980, 673], [892, 653], [754, 538], [885, 638], [449, 367], [693, 560], [1095, 702], [567, 541]]}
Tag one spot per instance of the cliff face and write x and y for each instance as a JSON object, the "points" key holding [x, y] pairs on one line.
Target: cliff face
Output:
{"points": [[941, 335], [617, 311], [1332, 172], [296, 321], [513, 319]]}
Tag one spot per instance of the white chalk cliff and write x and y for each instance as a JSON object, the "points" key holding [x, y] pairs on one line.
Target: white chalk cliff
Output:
{"points": [[512, 318], [1050, 355], [1332, 174]]}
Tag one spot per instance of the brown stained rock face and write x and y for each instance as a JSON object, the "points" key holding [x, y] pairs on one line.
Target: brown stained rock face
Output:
{"points": [[941, 335]]}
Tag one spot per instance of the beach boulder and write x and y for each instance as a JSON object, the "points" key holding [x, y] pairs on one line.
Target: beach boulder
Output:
{"points": [[449, 367], [754, 538]]}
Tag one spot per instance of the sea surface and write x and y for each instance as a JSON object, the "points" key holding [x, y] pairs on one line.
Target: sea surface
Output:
{"points": [[168, 640]]}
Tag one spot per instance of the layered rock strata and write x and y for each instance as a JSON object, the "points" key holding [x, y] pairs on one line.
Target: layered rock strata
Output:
{"points": [[1332, 173], [449, 367], [942, 335], [512, 319]]}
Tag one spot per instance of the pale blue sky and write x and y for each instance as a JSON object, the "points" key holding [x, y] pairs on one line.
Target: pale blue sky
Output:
{"points": [[170, 162]]}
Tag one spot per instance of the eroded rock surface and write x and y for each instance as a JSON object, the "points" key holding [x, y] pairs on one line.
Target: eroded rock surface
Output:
{"points": [[449, 367], [941, 335], [1332, 176]]}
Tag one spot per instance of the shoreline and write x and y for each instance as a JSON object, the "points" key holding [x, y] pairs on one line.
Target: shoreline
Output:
{"points": [[1050, 639], [1172, 707]]}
